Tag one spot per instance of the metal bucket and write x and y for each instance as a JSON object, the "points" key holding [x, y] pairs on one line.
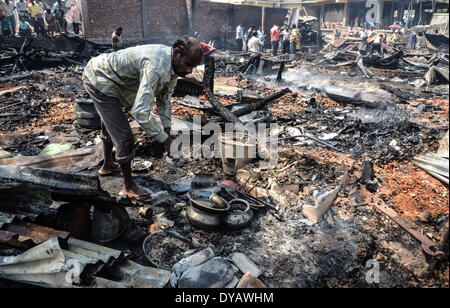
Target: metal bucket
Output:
{"points": [[237, 150], [109, 224]]}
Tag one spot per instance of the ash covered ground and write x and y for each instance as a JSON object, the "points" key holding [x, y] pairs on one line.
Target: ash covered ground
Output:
{"points": [[291, 251]]}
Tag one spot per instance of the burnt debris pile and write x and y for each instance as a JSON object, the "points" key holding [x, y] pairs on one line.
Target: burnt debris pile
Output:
{"points": [[348, 184]]}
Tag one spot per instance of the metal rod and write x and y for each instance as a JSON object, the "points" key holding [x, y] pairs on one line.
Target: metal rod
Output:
{"points": [[243, 186], [309, 137]]}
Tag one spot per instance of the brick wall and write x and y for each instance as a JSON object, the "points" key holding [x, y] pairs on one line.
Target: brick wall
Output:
{"points": [[211, 20], [277, 16], [106, 15], [247, 15], [167, 20]]}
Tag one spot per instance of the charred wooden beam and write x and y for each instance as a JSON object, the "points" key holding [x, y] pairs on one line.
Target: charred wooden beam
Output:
{"points": [[208, 77], [224, 112], [259, 105], [280, 72]]}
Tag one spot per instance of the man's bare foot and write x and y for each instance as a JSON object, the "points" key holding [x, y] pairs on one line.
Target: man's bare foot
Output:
{"points": [[136, 193], [108, 169]]}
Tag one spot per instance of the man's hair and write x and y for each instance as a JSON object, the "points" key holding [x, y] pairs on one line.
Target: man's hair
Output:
{"points": [[254, 33], [184, 44], [294, 26], [119, 29]]}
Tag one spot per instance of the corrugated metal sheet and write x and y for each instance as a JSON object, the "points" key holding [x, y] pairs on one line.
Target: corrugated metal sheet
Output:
{"points": [[7, 217], [70, 161], [48, 179], [436, 166], [48, 265]]}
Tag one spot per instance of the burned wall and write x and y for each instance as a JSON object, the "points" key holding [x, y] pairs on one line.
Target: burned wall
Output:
{"points": [[247, 15], [167, 20], [106, 16], [218, 20], [334, 12], [277, 16], [211, 20]]}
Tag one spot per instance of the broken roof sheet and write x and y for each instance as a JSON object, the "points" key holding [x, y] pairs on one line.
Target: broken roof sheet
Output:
{"points": [[436, 166], [31, 234], [48, 265]]}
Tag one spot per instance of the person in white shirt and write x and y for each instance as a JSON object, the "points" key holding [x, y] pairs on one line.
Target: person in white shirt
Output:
{"points": [[254, 44], [239, 37], [285, 34], [8, 10], [22, 9], [363, 34], [376, 46], [260, 34]]}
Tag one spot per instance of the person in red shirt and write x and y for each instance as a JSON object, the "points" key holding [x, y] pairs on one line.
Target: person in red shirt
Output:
{"points": [[207, 49], [275, 39]]}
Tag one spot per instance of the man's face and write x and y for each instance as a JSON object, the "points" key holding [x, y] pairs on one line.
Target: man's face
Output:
{"points": [[183, 65]]}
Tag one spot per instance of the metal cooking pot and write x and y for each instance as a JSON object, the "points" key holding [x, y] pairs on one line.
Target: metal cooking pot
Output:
{"points": [[208, 202], [202, 219], [240, 214], [109, 223]]}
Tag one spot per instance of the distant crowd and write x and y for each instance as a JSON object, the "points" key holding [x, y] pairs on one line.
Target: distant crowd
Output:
{"points": [[281, 37], [362, 23], [29, 18], [396, 36]]}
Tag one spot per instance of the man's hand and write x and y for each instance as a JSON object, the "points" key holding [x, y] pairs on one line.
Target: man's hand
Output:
{"points": [[167, 144], [169, 140]]}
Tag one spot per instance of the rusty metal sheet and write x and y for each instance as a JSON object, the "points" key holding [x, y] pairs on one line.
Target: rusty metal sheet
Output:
{"points": [[339, 42], [70, 161], [388, 48], [49, 180], [13, 239], [11, 90], [6, 237], [36, 233], [396, 73]]}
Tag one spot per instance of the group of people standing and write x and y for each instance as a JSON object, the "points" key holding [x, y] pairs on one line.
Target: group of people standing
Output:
{"points": [[244, 38], [372, 39], [290, 38], [35, 16]]}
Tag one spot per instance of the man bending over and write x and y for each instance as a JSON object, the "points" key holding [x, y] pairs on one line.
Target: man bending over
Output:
{"points": [[137, 77]]}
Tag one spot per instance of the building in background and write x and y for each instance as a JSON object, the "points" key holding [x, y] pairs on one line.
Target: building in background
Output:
{"points": [[163, 21]]}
